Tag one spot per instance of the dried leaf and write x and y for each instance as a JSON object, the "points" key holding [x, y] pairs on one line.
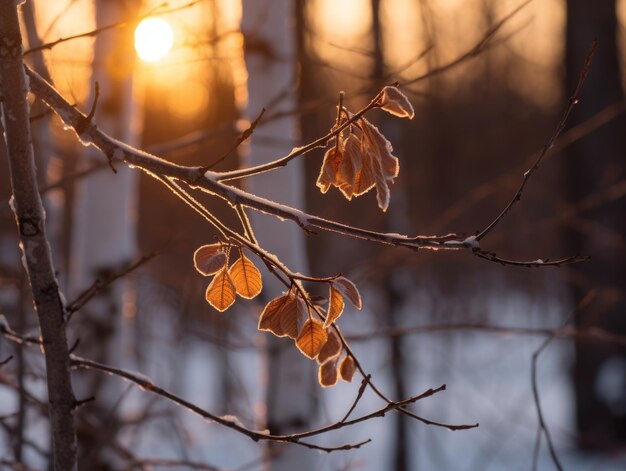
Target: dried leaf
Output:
{"points": [[209, 259], [312, 338], [335, 306], [293, 316], [347, 368], [396, 103], [332, 161], [327, 374], [221, 292], [331, 349], [247, 278], [349, 166], [270, 317], [384, 167], [348, 290]]}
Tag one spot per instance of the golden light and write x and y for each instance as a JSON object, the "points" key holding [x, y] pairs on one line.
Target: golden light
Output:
{"points": [[153, 39]]}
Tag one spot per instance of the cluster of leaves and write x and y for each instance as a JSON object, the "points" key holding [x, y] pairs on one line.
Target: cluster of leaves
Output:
{"points": [[361, 157], [243, 278], [293, 315]]}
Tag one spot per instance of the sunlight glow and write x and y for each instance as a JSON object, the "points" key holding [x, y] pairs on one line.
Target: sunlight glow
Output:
{"points": [[153, 39]]}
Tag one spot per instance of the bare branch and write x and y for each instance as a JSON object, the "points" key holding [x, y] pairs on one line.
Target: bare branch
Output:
{"points": [[573, 101]]}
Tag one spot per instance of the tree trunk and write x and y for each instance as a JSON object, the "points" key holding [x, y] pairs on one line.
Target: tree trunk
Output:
{"points": [[30, 218], [104, 231], [270, 52], [596, 162]]}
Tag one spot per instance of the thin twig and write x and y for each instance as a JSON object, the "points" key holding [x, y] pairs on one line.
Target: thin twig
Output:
{"points": [[98, 285], [573, 101], [121, 24], [244, 136]]}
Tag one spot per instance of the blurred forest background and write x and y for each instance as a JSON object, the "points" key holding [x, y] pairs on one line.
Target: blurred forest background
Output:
{"points": [[429, 318]]}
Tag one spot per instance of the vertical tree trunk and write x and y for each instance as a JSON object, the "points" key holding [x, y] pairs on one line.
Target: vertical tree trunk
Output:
{"points": [[37, 257], [104, 217], [593, 163], [394, 298], [272, 71]]}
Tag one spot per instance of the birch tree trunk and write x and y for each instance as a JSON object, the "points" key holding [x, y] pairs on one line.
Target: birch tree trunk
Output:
{"points": [[37, 257], [271, 72], [105, 209]]}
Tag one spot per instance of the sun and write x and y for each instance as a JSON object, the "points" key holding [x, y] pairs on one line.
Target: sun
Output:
{"points": [[153, 39]]}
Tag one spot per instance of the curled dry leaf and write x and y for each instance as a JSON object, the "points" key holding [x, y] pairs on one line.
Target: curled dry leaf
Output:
{"points": [[331, 349], [247, 278], [360, 162], [221, 292], [396, 103], [209, 259], [348, 290], [312, 338], [383, 165], [293, 317], [327, 374], [335, 306], [347, 368], [271, 315]]}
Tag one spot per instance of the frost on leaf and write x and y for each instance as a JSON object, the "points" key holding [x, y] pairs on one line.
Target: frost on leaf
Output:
{"points": [[270, 319], [246, 277], [348, 290], [327, 374], [335, 306], [312, 338], [331, 349], [347, 368], [396, 103], [359, 162], [293, 316], [209, 259], [221, 292]]}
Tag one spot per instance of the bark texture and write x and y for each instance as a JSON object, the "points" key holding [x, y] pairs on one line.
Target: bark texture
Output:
{"points": [[37, 257]]}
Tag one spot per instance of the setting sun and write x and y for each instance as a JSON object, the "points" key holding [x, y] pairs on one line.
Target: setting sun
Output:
{"points": [[153, 39]]}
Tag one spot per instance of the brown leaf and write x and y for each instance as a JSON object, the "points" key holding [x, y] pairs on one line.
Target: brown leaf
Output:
{"points": [[327, 374], [270, 317], [209, 259], [247, 278], [348, 290], [347, 368], [384, 166], [312, 338], [221, 292], [396, 103], [331, 349], [332, 161], [293, 316], [335, 306]]}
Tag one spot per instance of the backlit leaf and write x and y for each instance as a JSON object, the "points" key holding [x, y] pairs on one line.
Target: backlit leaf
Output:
{"points": [[209, 259], [328, 173], [270, 317], [331, 349], [293, 316], [312, 338], [221, 292], [347, 368], [327, 374], [396, 103], [348, 290], [384, 166], [335, 306], [247, 278]]}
